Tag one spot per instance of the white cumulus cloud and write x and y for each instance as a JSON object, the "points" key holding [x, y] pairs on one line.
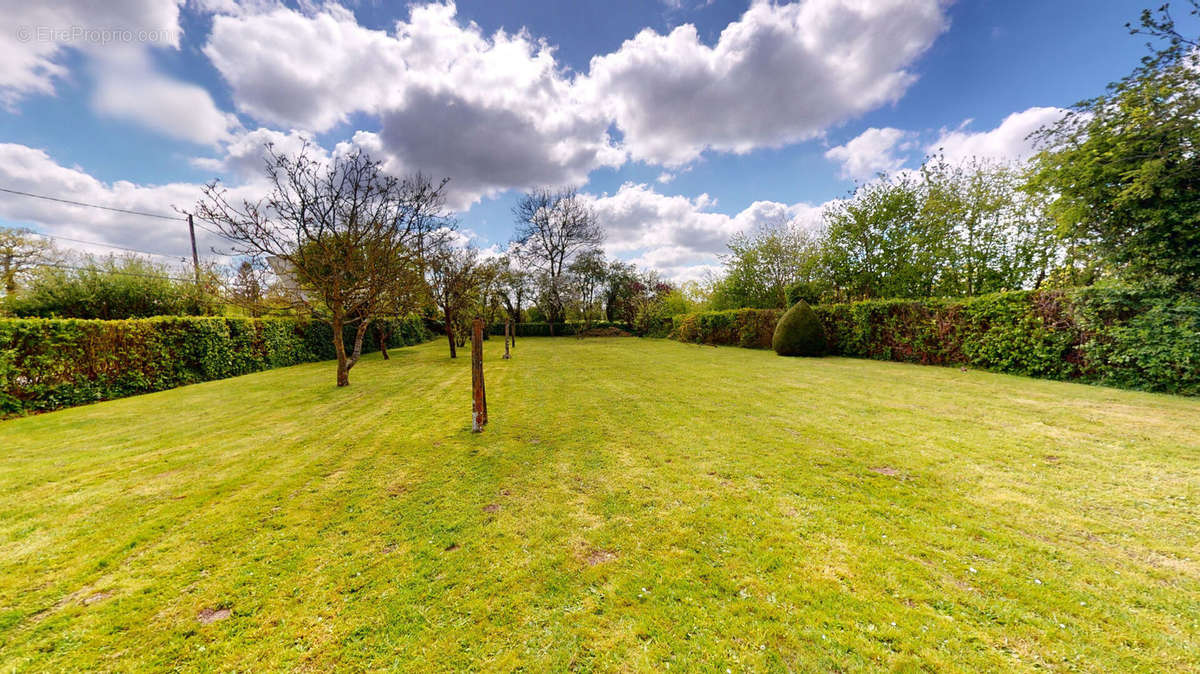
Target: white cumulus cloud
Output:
{"points": [[491, 112], [37, 34], [129, 87], [780, 74], [680, 236], [871, 152], [1009, 141]]}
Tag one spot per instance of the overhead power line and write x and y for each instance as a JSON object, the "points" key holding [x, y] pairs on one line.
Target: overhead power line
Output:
{"points": [[103, 208], [107, 245]]}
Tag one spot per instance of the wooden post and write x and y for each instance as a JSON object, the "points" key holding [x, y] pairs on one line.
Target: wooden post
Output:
{"points": [[195, 257], [479, 398], [507, 323]]}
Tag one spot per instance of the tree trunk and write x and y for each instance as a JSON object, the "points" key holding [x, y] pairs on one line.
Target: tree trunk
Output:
{"points": [[358, 342], [339, 347], [516, 322], [478, 397], [450, 338], [382, 332], [507, 324]]}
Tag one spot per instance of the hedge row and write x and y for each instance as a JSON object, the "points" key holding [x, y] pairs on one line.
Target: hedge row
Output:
{"points": [[48, 364], [560, 329], [1112, 335]]}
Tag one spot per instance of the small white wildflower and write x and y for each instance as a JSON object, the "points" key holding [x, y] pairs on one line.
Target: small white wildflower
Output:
{"points": [[1039, 582], [972, 569]]}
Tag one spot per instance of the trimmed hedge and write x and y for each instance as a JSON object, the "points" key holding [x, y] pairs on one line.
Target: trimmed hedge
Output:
{"points": [[1113, 335], [560, 329], [750, 328], [47, 364]]}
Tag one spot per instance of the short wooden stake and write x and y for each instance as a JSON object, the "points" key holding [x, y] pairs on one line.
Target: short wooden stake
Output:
{"points": [[479, 398]]}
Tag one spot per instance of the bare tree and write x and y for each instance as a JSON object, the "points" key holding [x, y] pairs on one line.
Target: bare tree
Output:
{"points": [[343, 228], [20, 251], [451, 272], [553, 226]]}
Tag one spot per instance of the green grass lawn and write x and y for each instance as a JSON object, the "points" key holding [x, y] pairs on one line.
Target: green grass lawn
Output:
{"points": [[633, 505]]}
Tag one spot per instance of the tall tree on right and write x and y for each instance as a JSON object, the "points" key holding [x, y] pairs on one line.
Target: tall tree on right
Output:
{"points": [[553, 226], [1123, 166]]}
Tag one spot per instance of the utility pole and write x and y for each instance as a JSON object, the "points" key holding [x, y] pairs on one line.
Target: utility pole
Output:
{"points": [[479, 399], [195, 257]]}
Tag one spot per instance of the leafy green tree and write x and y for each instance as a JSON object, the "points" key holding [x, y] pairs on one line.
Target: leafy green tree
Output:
{"points": [[248, 288], [515, 286], [622, 290], [1123, 166], [879, 245], [588, 275], [761, 265], [999, 238], [20, 252]]}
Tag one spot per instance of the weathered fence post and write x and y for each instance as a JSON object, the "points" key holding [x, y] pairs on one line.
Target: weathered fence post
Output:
{"points": [[506, 330], [479, 398]]}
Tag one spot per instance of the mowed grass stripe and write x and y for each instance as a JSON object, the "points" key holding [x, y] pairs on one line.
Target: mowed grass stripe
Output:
{"points": [[633, 504]]}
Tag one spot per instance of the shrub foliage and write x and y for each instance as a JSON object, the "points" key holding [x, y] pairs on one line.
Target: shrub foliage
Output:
{"points": [[47, 364], [799, 332], [1116, 335]]}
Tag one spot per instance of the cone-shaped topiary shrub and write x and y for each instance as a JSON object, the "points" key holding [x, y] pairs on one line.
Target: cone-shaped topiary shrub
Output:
{"points": [[799, 332]]}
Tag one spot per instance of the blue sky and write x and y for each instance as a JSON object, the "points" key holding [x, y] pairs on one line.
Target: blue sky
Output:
{"points": [[684, 121]]}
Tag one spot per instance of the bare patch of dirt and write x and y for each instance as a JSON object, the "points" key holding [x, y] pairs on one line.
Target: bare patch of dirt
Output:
{"points": [[396, 489], [1052, 458], [210, 615], [885, 470], [595, 556], [99, 596], [452, 547], [491, 507]]}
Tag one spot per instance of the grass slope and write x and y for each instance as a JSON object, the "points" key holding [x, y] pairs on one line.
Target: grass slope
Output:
{"points": [[634, 504]]}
